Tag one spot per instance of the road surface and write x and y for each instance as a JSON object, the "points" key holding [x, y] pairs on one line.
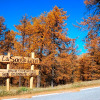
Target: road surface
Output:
{"points": [[84, 94]]}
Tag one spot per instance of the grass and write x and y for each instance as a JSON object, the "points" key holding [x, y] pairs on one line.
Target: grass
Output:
{"points": [[24, 90]]}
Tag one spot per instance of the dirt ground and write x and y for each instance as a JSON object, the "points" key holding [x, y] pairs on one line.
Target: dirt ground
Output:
{"points": [[42, 93]]}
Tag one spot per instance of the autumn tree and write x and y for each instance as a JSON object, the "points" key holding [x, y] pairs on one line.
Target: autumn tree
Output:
{"points": [[58, 35], [73, 52], [2, 34], [6, 42], [22, 42], [6, 38], [22, 37], [52, 39], [92, 40], [93, 6]]}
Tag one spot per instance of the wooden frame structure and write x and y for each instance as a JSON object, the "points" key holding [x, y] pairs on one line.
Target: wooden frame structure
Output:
{"points": [[18, 72]]}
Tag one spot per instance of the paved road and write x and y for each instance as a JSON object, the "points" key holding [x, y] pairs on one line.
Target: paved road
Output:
{"points": [[85, 94]]}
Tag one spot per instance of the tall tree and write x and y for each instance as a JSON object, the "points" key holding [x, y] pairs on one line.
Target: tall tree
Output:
{"points": [[92, 40], [52, 38], [2, 34], [22, 41], [22, 36], [6, 41]]}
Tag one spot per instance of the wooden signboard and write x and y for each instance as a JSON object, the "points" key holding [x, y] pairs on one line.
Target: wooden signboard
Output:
{"points": [[18, 59], [18, 72]]}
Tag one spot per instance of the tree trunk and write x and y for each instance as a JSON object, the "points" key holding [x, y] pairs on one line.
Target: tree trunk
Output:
{"points": [[20, 81], [52, 80], [39, 80]]}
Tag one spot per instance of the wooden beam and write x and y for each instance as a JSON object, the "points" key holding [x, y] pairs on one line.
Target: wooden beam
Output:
{"points": [[18, 72], [32, 68], [8, 79], [18, 59]]}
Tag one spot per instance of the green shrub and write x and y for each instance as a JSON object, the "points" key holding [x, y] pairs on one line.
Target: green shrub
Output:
{"points": [[24, 89]]}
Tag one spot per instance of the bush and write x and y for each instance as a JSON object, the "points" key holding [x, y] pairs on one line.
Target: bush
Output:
{"points": [[22, 89]]}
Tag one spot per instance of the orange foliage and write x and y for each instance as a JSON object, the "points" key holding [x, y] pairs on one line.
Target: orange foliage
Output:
{"points": [[46, 35]]}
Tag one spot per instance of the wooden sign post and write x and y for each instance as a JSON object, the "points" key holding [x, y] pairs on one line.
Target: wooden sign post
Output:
{"points": [[18, 72], [32, 68], [8, 79]]}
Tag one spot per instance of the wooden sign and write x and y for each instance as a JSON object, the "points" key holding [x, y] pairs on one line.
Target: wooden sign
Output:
{"points": [[12, 73], [18, 59], [18, 72]]}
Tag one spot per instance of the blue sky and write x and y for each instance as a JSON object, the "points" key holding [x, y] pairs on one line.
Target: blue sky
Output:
{"points": [[13, 10]]}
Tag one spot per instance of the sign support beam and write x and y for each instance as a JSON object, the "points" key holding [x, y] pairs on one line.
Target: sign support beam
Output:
{"points": [[32, 68], [8, 79]]}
